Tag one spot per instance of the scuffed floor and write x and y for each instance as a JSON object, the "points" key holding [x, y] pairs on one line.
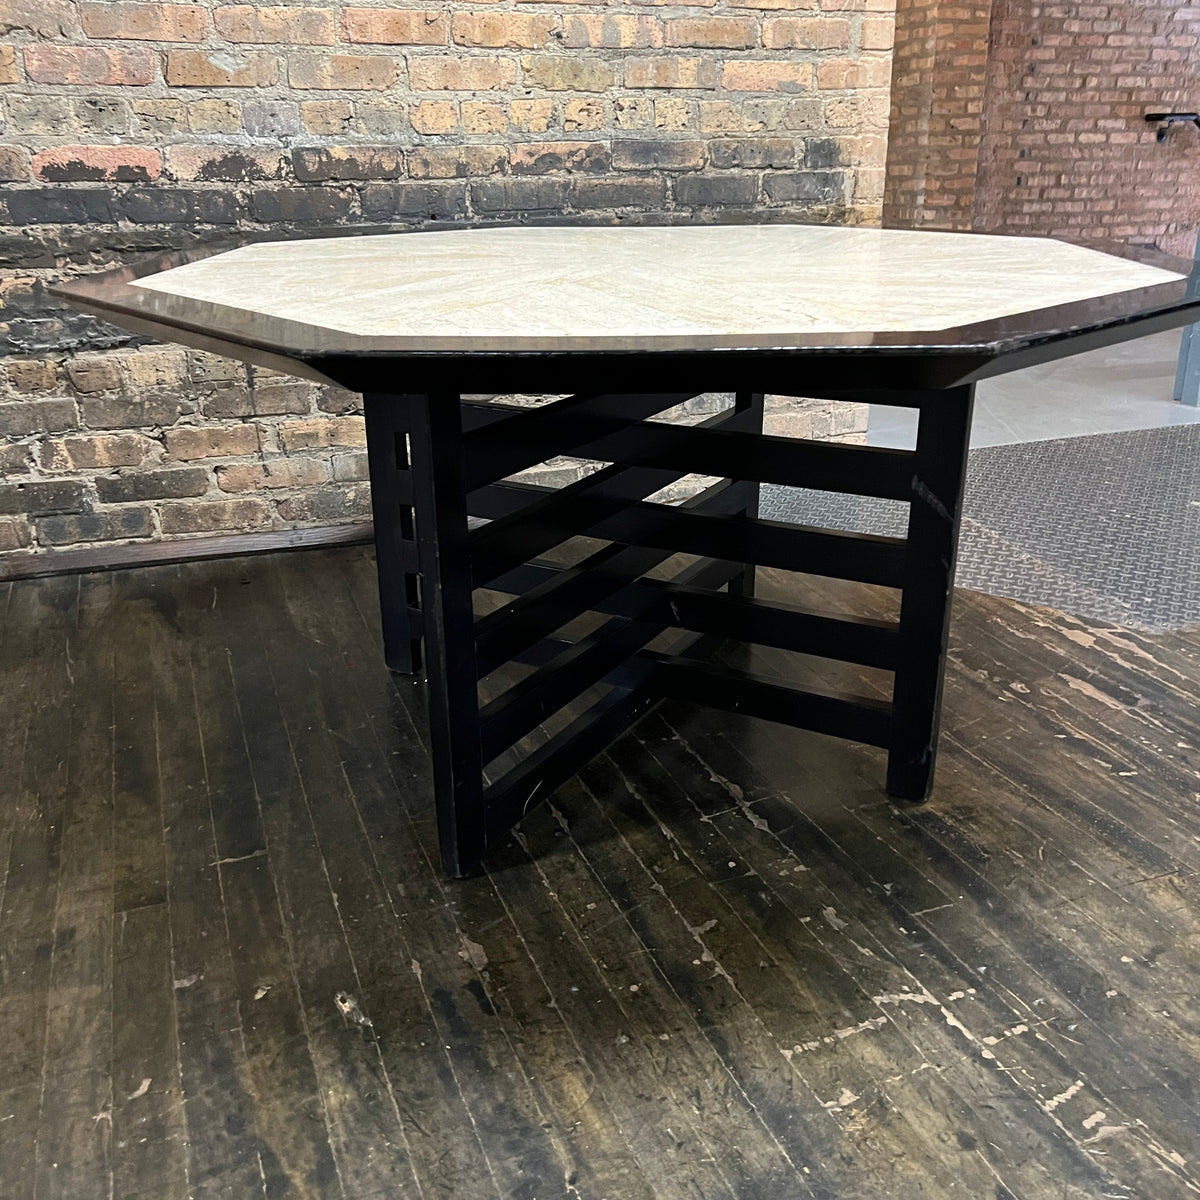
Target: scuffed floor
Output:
{"points": [[720, 963]]}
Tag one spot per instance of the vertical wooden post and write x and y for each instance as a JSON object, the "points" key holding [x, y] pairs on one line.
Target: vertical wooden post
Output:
{"points": [[391, 502], [939, 476], [440, 502]]}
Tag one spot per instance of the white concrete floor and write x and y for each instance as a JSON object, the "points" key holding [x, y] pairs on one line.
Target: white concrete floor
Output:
{"points": [[1106, 391]]}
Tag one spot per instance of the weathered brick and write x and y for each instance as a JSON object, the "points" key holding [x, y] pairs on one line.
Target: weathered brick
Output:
{"points": [[531, 116], [584, 115], [456, 162], [482, 116], [612, 31], [754, 76], [435, 201], [290, 25], [134, 521], [212, 516], [645, 154], [824, 152], [273, 473], [674, 113], [94, 373], [350, 468], [101, 114], [144, 22], [877, 33], [395, 26], [89, 66], [9, 71], [236, 400], [806, 33], [619, 193], [221, 68], [817, 186], [722, 191], [633, 112], [42, 496], [81, 164], [441, 74], [159, 118], [672, 72], [513, 30], [319, 432], [27, 417], [44, 114], [343, 72], [41, 18], [31, 374], [135, 412], [332, 399], [328, 504], [15, 534], [752, 153], [170, 484], [520, 195], [563, 73], [381, 116], [271, 118], [321, 164], [213, 164], [541, 158], [301, 204], [156, 367], [330, 118], [191, 442], [60, 206], [434, 116], [14, 164], [728, 33], [846, 73], [214, 116], [91, 452]]}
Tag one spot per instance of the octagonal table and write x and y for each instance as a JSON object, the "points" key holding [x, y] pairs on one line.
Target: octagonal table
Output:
{"points": [[623, 323]]}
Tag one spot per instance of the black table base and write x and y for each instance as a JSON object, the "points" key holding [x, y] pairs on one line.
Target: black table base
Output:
{"points": [[522, 695]]}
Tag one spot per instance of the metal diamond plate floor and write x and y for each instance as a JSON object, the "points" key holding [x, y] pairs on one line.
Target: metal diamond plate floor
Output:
{"points": [[1106, 527]]}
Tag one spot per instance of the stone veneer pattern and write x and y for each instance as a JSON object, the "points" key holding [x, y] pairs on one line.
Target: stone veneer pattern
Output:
{"points": [[133, 127]]}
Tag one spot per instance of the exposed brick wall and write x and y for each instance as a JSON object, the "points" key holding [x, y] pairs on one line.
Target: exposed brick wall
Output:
{"points": [[1045, 134], [133, 127]]}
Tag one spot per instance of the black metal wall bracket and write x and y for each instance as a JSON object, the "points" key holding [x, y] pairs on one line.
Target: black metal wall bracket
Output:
{"points": [[1166, 120]]}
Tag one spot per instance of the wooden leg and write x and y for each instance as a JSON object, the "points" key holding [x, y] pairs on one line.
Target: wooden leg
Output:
{"points": [[440, 502], [939, 473], [395, 547]]}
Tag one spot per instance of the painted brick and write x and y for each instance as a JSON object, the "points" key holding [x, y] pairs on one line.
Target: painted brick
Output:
{"points": [[441, 74], [395, 26], [78, 164], [144, 22], [295, 26], [221, 68], [89, 66]]}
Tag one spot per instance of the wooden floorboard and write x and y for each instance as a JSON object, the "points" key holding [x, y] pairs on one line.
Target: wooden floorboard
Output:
{"points": [[719, 963]]}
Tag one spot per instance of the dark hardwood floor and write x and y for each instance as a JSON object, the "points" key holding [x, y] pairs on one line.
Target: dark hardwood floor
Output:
{"points": [[718, 964]]}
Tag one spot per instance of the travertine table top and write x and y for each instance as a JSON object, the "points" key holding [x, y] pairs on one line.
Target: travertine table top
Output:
{"points": [[598, 282]]}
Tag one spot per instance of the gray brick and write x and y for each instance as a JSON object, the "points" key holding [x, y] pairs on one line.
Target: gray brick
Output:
{"points": [[43, 496], [152, 485], [37, 416], [136, 521]]}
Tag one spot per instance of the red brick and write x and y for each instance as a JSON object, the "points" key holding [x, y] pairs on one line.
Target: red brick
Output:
{"points": [[144, 22], [89, 66], [121, 164], [296, 26], [221, 68], [395, 26], [344, 72], [440, 74]]}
